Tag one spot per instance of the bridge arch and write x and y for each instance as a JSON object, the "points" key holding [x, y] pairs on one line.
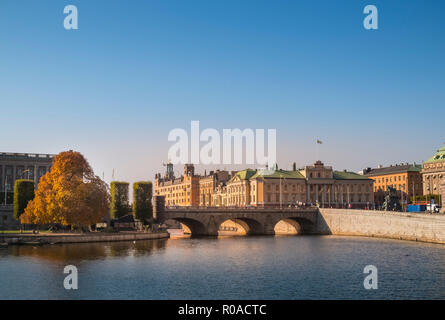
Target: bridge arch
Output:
{"points": [[287, 226], [250, 226], [196, 227], [300, 224]]}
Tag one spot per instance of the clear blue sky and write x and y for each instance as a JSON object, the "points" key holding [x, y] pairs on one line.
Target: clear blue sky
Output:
{"points": [[134, 70]]}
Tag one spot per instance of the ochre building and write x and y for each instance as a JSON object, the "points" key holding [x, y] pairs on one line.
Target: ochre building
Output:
{"points": [[405, 178], [181, 191], [190, 189], [208, 185], [313, 185]]}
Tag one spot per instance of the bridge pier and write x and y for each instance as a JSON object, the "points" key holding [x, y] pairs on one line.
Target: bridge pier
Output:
{"points": [[269, 229]]}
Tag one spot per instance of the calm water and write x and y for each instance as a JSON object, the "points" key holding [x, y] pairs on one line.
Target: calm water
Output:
{"points": [[299, 267]]}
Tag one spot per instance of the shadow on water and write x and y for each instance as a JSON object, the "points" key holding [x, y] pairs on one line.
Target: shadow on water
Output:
{"points": [[77, 252]]}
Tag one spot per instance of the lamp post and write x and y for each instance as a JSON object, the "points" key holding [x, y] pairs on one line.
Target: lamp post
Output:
{"points": [[401, 196], [6, 188], [329, 197], [429, 184]]}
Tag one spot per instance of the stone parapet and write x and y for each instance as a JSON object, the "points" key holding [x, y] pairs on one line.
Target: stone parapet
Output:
{"points": [[382, 224]]}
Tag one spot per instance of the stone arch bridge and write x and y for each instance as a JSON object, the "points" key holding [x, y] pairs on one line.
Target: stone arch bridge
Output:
{"points": [[256, 221]]}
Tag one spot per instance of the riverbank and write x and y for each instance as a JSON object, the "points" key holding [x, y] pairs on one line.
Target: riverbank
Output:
{"points": [[381, 224], [53, 238]]}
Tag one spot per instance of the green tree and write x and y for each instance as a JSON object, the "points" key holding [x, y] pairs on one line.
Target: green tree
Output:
{"points": [[23, 193], [119, 199], [142, 207]]}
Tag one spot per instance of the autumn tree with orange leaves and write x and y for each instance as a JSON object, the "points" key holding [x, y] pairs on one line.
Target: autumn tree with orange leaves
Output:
{"points": [[69, 194]]}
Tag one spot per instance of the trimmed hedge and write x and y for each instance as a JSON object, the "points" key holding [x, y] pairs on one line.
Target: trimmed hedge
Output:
{"points": [[119, 205], [23, 193], [142, 206]]}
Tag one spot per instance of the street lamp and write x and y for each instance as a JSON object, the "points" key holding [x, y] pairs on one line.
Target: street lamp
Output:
{"points": [[6, 188], [280, 192], [431, 207]]}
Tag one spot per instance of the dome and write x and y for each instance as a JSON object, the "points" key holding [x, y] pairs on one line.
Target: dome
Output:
{"points": [[438, 156]]}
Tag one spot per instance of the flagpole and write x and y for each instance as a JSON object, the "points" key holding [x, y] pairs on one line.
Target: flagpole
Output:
{"points": [[318, 149]]}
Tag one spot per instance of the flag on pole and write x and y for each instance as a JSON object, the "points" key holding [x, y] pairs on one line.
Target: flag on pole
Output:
{"points": [[319, 142]]}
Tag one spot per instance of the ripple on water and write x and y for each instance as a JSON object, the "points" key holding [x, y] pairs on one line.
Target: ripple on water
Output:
{"points": [[301, 267]]}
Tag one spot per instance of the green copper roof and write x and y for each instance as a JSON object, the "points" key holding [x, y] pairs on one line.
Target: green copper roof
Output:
{"points": [[244, 174], [439, 156], [278, 174], [346, 175]]}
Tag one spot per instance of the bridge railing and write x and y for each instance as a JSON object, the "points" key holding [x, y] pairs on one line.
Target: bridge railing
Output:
{"points": [[233, 208]]}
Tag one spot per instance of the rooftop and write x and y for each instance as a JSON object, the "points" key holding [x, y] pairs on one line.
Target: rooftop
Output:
{"points": [[395, 169], [26, 156], [438, 156], [347, 175], [244, 174], [285, 174]]}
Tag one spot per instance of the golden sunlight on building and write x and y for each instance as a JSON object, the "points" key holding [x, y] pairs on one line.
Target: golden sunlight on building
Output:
{"points": [[313, 185]]}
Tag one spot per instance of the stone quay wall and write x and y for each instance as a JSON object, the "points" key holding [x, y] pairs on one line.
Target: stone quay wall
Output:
{"points": [[79, 238], [395, 225]]}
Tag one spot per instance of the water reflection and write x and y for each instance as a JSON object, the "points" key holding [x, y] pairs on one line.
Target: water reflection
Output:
{"points": [[251, 267], [86, 251]]}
